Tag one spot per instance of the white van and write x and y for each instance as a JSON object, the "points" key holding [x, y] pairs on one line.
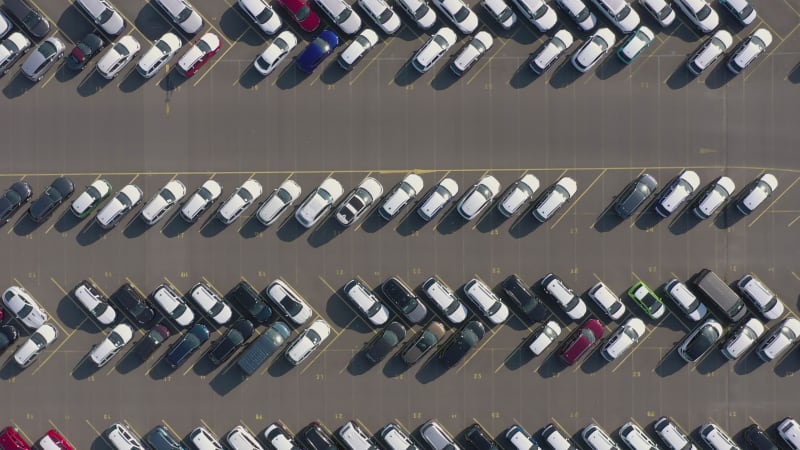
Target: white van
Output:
{"points": [[789, 430], [672, 435], [765, 301], [635, 438], [354, 438], [122, 438], [716, 438], [366, 303], [486, 301], [607, 300], [553, 436], [597, 438], [202, 439], [241, 439], [445, 300]]}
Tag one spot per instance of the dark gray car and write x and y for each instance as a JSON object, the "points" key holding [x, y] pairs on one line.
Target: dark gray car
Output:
{"points": [[384, 342], [634, 195], [31, 18]]}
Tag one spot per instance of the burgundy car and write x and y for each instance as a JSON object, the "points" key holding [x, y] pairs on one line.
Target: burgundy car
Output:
{"points": [[584, 338], [302, 13]]}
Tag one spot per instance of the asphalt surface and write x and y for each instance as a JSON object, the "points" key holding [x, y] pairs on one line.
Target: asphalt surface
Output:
{"points": [[602, 128]]}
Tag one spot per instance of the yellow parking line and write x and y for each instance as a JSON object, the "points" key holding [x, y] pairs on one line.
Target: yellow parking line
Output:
{"points": [[219, 57], [319, 353], [585, 191], [774, 201], [207, 427], [489, 60], [629, 353], [21, 431], [475, 352], [369, 63]]}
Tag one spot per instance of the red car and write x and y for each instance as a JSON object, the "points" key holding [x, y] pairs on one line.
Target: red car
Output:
{"points": [[11, 440], [302, 13], [54, 441], [191, 61], [584, 338]]}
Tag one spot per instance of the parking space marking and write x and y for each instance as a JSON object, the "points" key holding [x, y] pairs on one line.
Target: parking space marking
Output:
{"points": [[476, 351], [99, 434], [203, 422], [519, 348], [635, 276], [218, 60], [585, 191], [21, 431], [774, 49], [369, 63], [774, 201], [247, 21], [283, 424], [170, 427], [630, 352], [66, 294], [489, 60]]}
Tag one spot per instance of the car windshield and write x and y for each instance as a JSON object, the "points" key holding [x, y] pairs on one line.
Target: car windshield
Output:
{"points": [[550, 333], [664, 12], [451, 308], [558, 44], [357, 203], [763, 187], [701, 343], [421, 11], [344, 15], [13, 197], [245, 195], [786, 331], [494, 308], [385, 15], [761, 45], [746, 11], [478, 45], [179, 310], [720, 192], [204, 194], [204, 47], [38, 339], [184, 14], [290, 305], [302, 13], [704, 12], [216, 309], [105, 15], [53, 194], [31, 20], [165, 49], [116, 339], [123, 198], [24, 311], [167, 195], [283, 46], [625, 12], [99, 309], [93, 192], [363, 40], [582, 15], [374, 309], [539, 13], [441, 42], [631, 333], [264, 15], [461, 14], [121, 49], [313, 336], [649, 300]]}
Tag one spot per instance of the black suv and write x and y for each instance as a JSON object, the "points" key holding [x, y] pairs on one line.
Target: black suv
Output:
{"points": [[757, 439], [314, 437], [479, 438], [17, 195], [245, 296], [129, 299], [462, 343], [521, 295], [152, 340], [59, 191], [237, 334], [30, 17]]}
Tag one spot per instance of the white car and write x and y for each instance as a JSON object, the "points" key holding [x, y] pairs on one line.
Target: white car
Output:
{"points": [[758, 191], [359, 47], [749, 50], [789, 431], [459, 14], [91, 197], [478, 197], [162, 202], [266, 62], [198, 54], [433, 49], [660, 10], [714, 197], [382, 14], [620, 13], [211, 303], [126, 199], [677, 192], [24, 307], [636, 43], [743, 338], [437, 199], [95, 303], [239, 438], [419, 10], [5, 25], [741, 9], [118, 56], [709, 52], [104, 15], [43, 336], [341, 14], [107, 348], [445, 300], [201, 200], [766, 302], [173, 305], [565, 297], [11, 49], [579, 12], [240, 200], [686, 301], [519, 194], [292, 304], [471, 53], [554, 198], [486, 301], [262, 15], [779, 339], [501, 12], [551, 51], [539, 13], [405, 192], [700, 14], [544, 337], [607, 300], [359, 201], [319, 202], [593, 50], [183, 14], [279, 201], [366, 303], [625, 337], [162, 51], [308, 341]]}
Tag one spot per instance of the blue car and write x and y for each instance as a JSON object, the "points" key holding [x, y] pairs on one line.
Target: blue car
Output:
{"points": [[186, 345], [317, 51]]}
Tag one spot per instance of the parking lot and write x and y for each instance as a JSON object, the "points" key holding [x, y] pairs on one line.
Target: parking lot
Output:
{"points": [[602, 128]]}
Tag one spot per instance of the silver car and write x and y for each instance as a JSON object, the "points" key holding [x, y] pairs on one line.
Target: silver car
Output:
{"points": [[43, 58]]}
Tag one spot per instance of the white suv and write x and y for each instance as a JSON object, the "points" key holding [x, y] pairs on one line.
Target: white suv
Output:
{"points": [[779, 339], [539, 13], [118, 56], [714, 197], [743, 338], [104, 15], [620, 13], [433, 50], [677, 192], [404, 193], [593, 49], [262, 15], [519, 194], [319, 202], [24, 307], [478, 197], [201, 200], [183, 14], [628, 334], [551, 51], [459, 14], [382, 14], [159, 54], [766, 302], [280, 200], [125, 200], [43, 336], [578, 12], [162, 202], [554, 198], [341, 14], [757, 192], [437, 437], [709, 52], [308, 341], [103, 352], [700, 14], [292, 304], [239, 201], [749, 50]]}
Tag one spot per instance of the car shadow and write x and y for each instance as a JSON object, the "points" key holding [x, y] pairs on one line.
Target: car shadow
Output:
{"points": [[607, 220], [711, 362], [594, 362], [373, 222], [523, 76], [91, 84], [551, 366], [212, 227], [359, 364], [204, 366], [227, 380], [25, 226], [610, 67], [160, 369], [728, 217], [333, 72], [72, 315], [719, 76], [406, 75], [788, 365], [564, 75], [135, 227], [748, 364], [250, 77], [132, 81], [251, 228], [171, 81], [152, 23], [451, 222], [18, 86], [235, 27], [342, 315], [490, 220], [325, 232], [520, 356], [395, 366], [524, 224], [84, 368], [516, 322], [680, 78], [130, 361], [410, 224], [90, 233], [290, 77], [290, 230], [175, 226], [670, 364], [10, 369], [431, 368], [444, 77], [684, 222], [794, 74], [648, 218], [279, 367], [66, 222]]}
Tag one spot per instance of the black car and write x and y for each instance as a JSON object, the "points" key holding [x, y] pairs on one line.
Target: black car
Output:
{"points": [[129, 299], [400, 295], [30, 17], [527, 302], [183, 348], [462, 343], [152, 340], [314, 437], [163, 439], [59, 190], [634, 195], [248, 299], [8, 335], [479, 438], [18, 194], [237, 334], [700, 341], [757, 439], [84, 50], [384, 342]]}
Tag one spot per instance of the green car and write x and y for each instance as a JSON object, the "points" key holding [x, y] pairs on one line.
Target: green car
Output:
{"points": [[94, 194], [647, 299]]}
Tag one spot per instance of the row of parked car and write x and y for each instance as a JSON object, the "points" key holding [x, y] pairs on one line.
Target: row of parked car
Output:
{"points": [[322, 200], [352, 436]]}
